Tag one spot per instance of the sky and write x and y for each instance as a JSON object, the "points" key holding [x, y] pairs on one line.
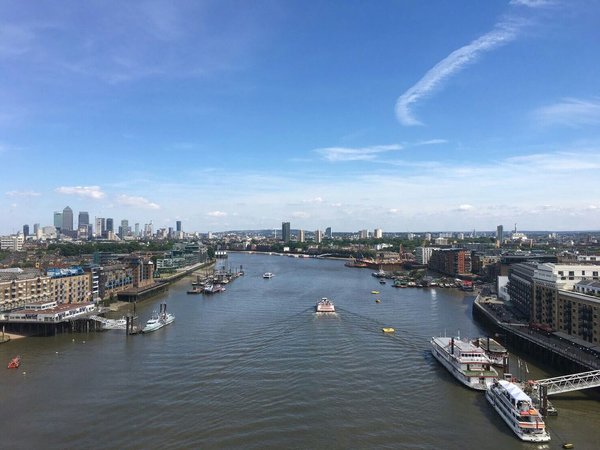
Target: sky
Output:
{"points": [[227, 115]]}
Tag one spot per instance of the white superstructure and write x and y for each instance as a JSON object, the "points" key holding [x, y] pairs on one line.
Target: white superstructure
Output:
{"points": [[324, 306], [468, 363], [158, 321], [516, 409]]}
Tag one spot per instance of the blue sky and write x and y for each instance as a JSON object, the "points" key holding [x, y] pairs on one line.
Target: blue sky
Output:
{"points": [[401, 115]]}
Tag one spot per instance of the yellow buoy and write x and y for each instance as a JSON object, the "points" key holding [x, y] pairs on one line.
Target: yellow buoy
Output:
{"points": [[374, 292], [388, 330]]}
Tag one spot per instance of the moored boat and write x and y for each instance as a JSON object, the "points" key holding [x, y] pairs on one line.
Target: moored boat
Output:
{"points": [[268, 275], [468, 363], [517, 410], [492, 348], [158, 320], [325, 305], [15, 362]]}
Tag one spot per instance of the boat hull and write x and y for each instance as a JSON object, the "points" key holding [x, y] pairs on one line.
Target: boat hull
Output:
{"points": [[491, 396], [477, 383]]}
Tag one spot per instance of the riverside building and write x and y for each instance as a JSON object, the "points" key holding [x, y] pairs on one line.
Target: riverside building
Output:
{"points": [[559, 297]]}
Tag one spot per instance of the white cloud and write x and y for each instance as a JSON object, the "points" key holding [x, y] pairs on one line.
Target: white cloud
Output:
{"points": [[314, 200], [570, 112], [93, 192], [531, 3], [216, 214], [136, 202], [430, 142], [300, 215], [15, 40], [23, 194], [556, 162], [465, 207], [504, 32], [335, 154]]}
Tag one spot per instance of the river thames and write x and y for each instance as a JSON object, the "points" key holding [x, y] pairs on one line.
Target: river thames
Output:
{"points": [[254, 367]]}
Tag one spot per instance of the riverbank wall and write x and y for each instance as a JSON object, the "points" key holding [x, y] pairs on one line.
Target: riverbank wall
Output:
{"points": [[547, 349]]}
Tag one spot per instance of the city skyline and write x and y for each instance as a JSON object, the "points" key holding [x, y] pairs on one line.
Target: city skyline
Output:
{"points": [[400, 116]]}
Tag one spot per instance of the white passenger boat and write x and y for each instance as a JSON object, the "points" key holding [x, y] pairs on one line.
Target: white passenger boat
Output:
{"points": [[158, 320], [115, 324], [516, 409], [325, 306], [468, 363], [268, 275]]}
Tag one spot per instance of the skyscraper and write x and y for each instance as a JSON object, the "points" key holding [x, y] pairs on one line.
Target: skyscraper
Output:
{"points": [[328, 233], [499, 235], [124, 228], [67, 219], [178, 225], [25, 231], [83, 219], [286, 232], [318, 236], [301, 236], [100, 226], [110, 225], [58, 219], [36, 227]]}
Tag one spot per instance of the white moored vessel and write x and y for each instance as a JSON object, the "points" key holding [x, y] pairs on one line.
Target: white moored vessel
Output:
{"points": [[267, 275], [468, 363], [159, 320], [325, 305], [516, 409]]}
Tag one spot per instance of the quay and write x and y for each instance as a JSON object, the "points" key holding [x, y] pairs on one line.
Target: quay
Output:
{"points": [[572, 355], [48, 318], [159, 285], [579, 357]]}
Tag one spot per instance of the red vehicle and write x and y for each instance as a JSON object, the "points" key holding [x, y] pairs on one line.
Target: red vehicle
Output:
{"points": [[14, 363]]}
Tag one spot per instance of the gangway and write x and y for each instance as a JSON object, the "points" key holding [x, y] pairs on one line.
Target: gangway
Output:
{"points": [[573, 382], [566, 383], [109, 324]]}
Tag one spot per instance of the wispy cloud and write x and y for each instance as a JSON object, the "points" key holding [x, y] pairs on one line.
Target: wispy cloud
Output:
{"points": [[15, 40], [136, 202], [316, 200], [22, 194], [556, 162], [337, 154], [430, 142], [216, 214], [504, 32], [465, 207], [571, 112], [300, 215], [532, 3], [93, 192]]}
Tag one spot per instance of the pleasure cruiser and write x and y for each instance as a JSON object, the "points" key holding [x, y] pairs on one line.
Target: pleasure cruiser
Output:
{"points": [[468, 363], [325, 305], [516, 409]]}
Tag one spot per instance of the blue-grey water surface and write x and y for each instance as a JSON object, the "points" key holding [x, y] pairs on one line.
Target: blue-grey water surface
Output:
{"points": [[255, 368]]}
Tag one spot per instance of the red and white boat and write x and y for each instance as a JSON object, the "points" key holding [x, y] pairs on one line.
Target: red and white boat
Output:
{"points": [[325, 306], [14, 363]]}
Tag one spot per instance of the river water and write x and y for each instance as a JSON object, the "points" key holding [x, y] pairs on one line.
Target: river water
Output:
{"points": [[254, 367]]}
